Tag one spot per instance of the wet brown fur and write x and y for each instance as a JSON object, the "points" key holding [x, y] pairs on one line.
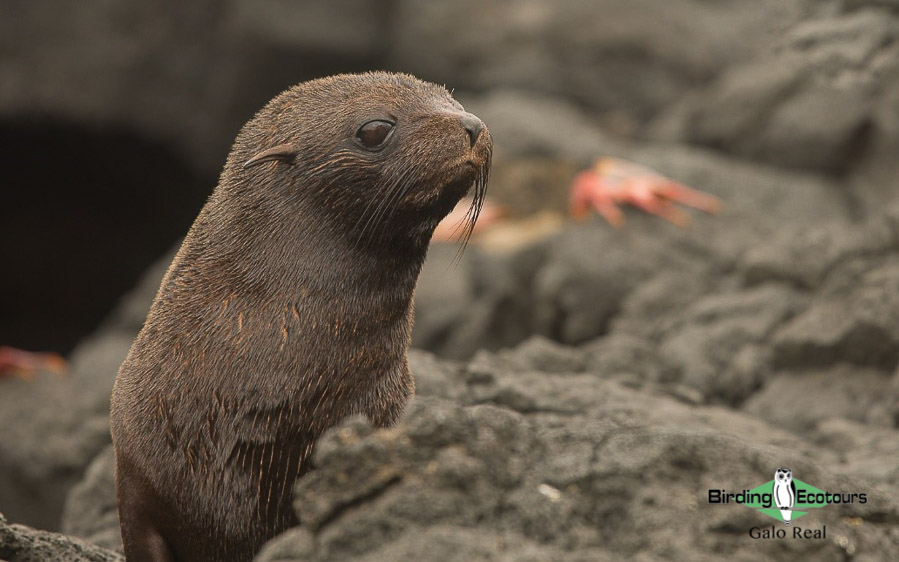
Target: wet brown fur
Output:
{"points": [[287, 308]]}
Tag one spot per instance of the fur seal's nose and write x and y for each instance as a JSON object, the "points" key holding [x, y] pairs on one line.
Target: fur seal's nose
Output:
{"points": [[473, 125]]}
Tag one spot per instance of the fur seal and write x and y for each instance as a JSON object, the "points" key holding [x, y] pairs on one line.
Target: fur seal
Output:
{"points": [[287, 308]]}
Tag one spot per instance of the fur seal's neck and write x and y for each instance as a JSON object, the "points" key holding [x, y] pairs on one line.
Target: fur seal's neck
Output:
{"points": [[306, 255]]}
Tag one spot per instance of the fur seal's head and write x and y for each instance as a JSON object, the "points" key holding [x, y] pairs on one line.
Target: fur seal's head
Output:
{"points": [[379, 156]]}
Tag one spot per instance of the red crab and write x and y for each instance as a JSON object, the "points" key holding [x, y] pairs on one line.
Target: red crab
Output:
{"points": [[612, 181], [24, 364]]}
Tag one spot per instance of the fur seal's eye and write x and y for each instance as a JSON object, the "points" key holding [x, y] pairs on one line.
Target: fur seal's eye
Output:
{"points": [[374, 133]]}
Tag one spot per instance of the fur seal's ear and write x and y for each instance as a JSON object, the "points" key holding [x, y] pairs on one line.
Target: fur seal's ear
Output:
{"points": [[283, 152]]}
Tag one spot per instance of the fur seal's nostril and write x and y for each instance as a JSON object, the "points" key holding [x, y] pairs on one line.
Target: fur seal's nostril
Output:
{"points": [[473, 125]]}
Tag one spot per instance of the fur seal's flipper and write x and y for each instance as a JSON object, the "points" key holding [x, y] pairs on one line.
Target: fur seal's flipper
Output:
{"points": [[282, 152]]}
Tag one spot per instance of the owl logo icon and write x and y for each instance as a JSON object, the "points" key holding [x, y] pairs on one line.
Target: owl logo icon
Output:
{"points": [[784, 493]]}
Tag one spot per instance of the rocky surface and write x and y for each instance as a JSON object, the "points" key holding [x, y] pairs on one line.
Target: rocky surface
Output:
{"points": [[90, 510], [567, 464], [583, 387], [19, 543], [844, 65]]}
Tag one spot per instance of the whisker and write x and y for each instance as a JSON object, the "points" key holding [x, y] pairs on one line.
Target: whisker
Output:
{"points": [[474, 211]]}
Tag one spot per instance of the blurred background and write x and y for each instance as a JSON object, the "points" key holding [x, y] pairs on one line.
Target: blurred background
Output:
{"points": [[115, 119]]}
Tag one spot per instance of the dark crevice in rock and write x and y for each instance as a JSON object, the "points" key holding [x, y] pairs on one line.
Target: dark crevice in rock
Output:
{"points": [[87, 210]]}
